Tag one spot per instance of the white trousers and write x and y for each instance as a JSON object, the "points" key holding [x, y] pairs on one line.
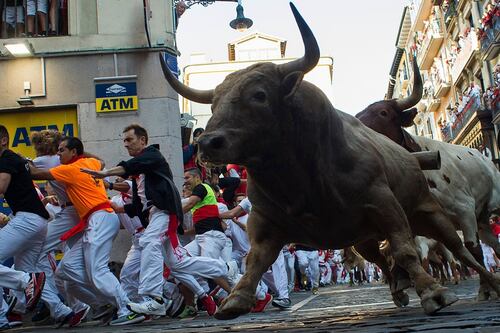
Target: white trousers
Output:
{"points": [[276, 277], [260, 291], [62, 222], [189, 270], [309, 260], [325, 273], [3, 311], [211, 244], [183, 267], [151, 242], [290, 268], [85, 266], [66, 219], [22, 238], [129, 275]]}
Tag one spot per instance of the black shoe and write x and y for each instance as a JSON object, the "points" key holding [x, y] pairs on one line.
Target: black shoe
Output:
{"points": [[41, 315]]}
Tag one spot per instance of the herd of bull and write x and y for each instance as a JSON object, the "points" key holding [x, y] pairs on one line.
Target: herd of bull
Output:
{"points": [[321, 177]]}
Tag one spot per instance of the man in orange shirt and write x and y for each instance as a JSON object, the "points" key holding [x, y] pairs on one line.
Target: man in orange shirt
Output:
{"points": [[85, 266]]}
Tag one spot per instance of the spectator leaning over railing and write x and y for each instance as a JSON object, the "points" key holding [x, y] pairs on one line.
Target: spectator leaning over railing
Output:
{"points": [[12, 18]]}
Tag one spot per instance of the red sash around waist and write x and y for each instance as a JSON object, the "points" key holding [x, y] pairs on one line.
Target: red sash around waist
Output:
{"points": [[205, 212], [82, 224]]}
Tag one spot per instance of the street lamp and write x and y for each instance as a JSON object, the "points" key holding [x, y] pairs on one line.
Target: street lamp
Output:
{"points": [[240, 23], [204, 3], [19, 49]]}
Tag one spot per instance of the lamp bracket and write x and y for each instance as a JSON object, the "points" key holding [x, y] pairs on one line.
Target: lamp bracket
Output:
{"points": [[204, 3]]}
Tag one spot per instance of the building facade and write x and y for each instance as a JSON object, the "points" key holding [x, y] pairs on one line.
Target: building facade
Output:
{"points": [[91, 70], [96, 79], [242, 53], [456, 44]]}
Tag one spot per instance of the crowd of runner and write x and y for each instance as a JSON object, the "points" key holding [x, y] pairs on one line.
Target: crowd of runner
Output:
{"points": [[188, 250]]}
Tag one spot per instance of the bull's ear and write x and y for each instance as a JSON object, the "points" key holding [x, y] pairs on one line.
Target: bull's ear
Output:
{"points": [[290, 84], [407, 117]]}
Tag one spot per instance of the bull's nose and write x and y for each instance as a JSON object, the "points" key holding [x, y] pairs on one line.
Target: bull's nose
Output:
{"points": [[212, 142]]}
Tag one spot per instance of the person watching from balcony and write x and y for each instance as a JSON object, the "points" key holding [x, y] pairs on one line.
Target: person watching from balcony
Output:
{"points": [[485, 151], [12, 18], [54, 6], [475, 93], [39, 8]]}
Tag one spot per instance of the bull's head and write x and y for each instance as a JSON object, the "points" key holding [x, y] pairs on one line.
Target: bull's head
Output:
{"points": [[250, 107], [388, 116]]}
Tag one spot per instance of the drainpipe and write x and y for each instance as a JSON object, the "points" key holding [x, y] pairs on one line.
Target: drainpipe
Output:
{"points": [[44, 80]]}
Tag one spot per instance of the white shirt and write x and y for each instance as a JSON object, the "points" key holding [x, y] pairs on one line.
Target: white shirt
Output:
{"points": [[48, 162], [222, 209], [246, 205], [130, 224], [141, 190], [240, 236], [53, 210]]}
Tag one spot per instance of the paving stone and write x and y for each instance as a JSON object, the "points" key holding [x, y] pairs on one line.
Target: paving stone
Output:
{"points": [[366, 308]]}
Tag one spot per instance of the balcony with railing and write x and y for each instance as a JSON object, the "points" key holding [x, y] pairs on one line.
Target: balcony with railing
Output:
{"points": [[463, 117], [440, 77], [33, 18], [460, 56], [489, 33], [433, 36], [65, 27], [447, 133], [450, 11], [491, 98], [428, 100]]}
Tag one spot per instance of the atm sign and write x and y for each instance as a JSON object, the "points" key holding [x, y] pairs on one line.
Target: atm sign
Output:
{"points": [[112, 97]]}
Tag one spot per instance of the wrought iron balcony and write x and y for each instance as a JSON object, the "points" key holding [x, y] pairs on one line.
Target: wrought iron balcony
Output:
{"points": [[447, 133], [470, 45], [490, 40], [442, 86], [23, 19], [468, 111], [451, 12]]}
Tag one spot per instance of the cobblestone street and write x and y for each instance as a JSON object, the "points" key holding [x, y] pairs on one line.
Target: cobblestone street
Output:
{"points": [[366, 308]]}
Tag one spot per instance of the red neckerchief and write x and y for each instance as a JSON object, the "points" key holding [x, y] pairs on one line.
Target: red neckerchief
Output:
{"points": [[76, 158]]}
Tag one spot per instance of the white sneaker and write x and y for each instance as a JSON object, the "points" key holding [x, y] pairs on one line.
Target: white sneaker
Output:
{"points": [[150, 306]]}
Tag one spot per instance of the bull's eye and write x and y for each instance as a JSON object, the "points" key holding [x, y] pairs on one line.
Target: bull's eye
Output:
{"points": [[260, 96], [383, 113]]}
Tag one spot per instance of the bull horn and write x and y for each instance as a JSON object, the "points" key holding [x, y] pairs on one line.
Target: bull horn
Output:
{"points": [[195, 95], [416, 94], [311, 56]]}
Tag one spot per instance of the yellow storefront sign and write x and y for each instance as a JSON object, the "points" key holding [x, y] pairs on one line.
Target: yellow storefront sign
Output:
{"points": [[124, 103], [21, 124]]}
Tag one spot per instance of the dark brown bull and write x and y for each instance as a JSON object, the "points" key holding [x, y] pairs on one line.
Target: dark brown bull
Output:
{"points": [[467, 185], [316, 175]]}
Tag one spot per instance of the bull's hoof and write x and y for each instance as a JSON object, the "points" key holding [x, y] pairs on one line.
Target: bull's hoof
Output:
{"points": [[493, 296], [234, 306], [484, 292], [400, 298], [483, 295], [435, 300]]}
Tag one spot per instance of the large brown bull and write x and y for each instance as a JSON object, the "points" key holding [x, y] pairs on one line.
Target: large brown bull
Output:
{"points": [[467, 185], [316, 175]]}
